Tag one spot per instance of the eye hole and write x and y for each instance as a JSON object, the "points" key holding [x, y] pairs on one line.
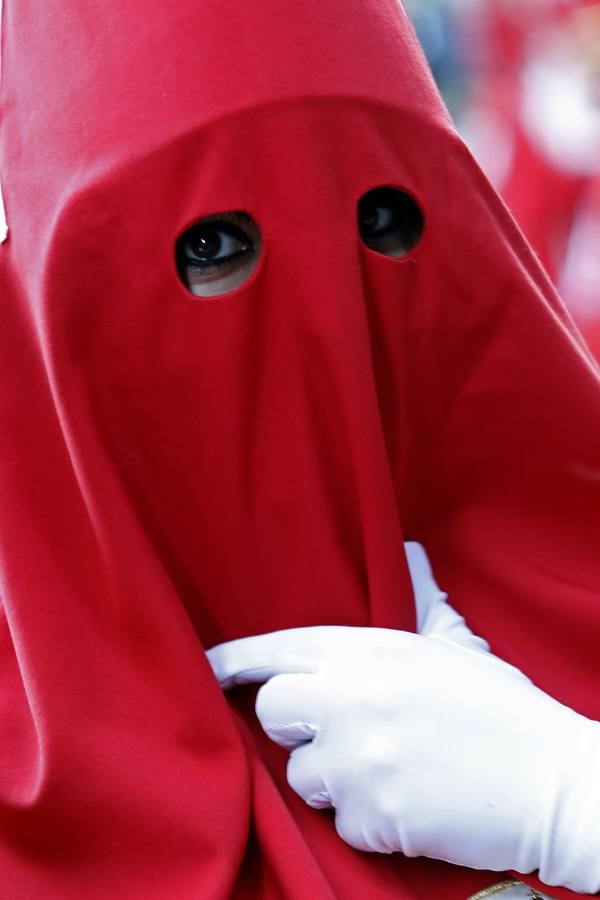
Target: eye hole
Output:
{"points": [[390, 221], [218, 253]]}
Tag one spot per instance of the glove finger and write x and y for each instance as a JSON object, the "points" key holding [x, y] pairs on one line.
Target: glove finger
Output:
{"points": [[428, 596], [256, 659], [447, 624], [294, 650], [435, 616], [306, 778], [348, 824], [289, 708]]}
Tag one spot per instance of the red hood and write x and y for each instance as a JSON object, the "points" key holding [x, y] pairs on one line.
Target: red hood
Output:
{"points": [[178, 471]]}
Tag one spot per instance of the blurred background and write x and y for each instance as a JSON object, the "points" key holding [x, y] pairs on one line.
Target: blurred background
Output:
{"points": [[522, 81]]}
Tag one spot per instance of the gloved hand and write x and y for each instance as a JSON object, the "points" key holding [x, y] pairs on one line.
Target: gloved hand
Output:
{"points": [[427, 744]]}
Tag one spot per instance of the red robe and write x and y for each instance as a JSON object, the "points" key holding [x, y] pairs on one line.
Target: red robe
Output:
{"points": [[178, 471]]}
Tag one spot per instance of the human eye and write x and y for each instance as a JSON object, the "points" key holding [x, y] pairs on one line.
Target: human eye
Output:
{"points": [[390, 221], [218, 253]]}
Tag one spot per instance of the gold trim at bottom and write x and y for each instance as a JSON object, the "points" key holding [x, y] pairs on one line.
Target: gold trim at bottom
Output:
{"points": [[495, 889], [503, 886]]}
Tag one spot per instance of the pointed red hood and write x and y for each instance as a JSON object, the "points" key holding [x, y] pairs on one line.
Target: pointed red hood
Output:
{"points": [[178, 471]]}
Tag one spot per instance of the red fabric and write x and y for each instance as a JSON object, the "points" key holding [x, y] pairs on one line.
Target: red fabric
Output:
{"points": [[580, 278], [178, 471], [543, 199]]}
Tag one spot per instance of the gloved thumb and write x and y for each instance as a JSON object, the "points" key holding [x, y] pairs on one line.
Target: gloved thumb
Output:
{"points": [[435, 616]]}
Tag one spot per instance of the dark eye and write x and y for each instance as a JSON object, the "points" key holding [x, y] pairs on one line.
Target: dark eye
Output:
{"points": [[213, 244], [218, 253], [390, 221]]}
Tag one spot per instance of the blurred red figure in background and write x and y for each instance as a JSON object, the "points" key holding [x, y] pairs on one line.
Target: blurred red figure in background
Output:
{"points": [[533, 118]]}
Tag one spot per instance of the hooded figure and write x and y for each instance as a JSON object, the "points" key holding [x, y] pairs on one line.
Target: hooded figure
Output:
{"points": [[188, 460]]}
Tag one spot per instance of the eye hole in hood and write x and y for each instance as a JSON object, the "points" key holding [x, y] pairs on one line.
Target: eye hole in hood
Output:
{"points": [[218, 253], [390, 221]]}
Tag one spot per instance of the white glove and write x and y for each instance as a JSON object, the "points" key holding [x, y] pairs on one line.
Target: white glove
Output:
{"points": [[428, 745]]}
